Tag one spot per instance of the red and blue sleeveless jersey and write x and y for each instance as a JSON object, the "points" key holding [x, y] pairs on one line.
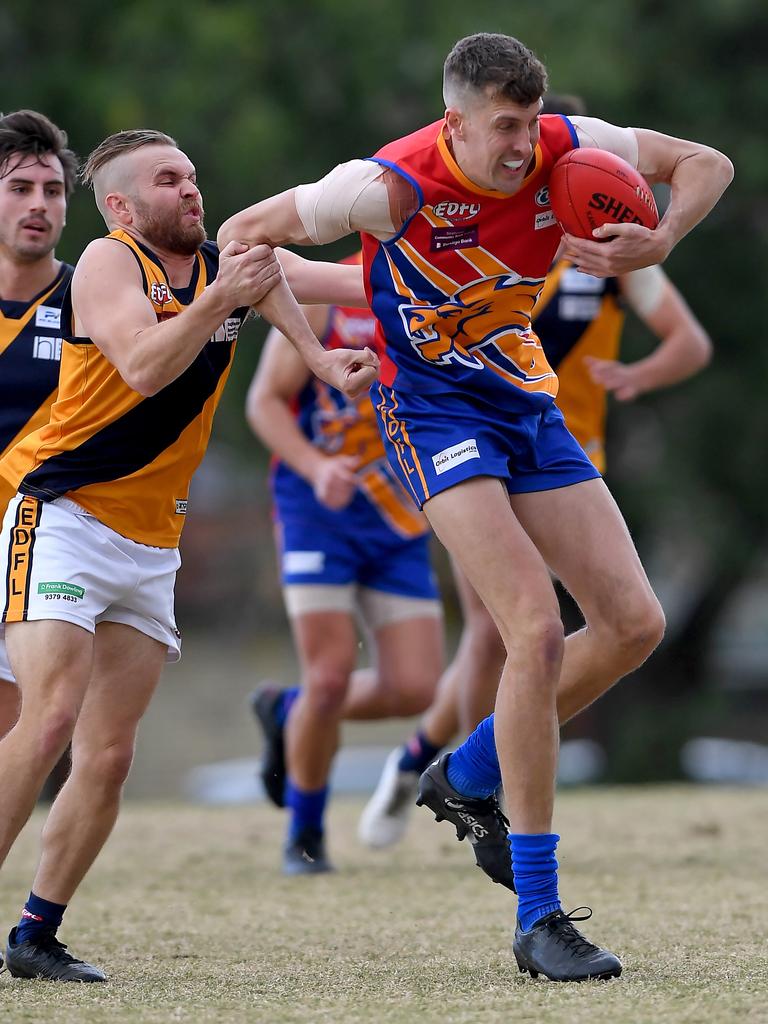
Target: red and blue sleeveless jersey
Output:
{"points": [[342, 426], [453, 292]]}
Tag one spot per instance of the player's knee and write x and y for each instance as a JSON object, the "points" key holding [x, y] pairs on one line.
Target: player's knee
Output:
{"points": [[541, 638], [326, 688], [106, 768], [412, 692], [642, 632]]}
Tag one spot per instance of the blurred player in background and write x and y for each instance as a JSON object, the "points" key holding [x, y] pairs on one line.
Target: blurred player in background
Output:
{"points": [[455, 256], [37, 176], [579, 319], [351, 546], [91, 539]]}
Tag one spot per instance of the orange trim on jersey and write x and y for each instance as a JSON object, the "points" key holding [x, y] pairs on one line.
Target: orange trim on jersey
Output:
{"points": [[467, 183], [442, 282], [400, 428], [20, 559], [389, 498]]}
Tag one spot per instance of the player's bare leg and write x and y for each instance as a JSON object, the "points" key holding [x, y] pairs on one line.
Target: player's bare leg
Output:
{"points": [[408, 657], [583, 537], [589, 548], [476, 524], [126, 668], [51, 699]]}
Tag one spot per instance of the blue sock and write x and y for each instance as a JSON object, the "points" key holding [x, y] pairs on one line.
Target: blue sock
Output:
{"points": [[284, 705], [418, 752], [535, 869], [473, 768], [307, 808], [39, 916]]}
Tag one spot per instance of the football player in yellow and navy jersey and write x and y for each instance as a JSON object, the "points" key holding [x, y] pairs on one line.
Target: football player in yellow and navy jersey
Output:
{"points": [[579, 319], [37, 175], [349, 542], [456, 251], [91, 538]]}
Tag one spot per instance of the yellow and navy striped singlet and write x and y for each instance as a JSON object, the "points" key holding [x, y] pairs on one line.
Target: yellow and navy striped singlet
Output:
{"points": [[127, 459]]}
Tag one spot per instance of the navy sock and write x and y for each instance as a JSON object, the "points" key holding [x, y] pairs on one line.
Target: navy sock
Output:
{"points": [[473, 768], [535, 869], [284, 705], [307, 808], [418, 752], [37, 917]]}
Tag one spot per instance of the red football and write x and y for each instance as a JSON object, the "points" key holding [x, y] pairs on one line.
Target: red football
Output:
{"points": [[590, 187]]}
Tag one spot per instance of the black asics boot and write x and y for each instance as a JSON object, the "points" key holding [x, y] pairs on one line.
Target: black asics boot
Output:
{"points": [[555, 948], [305, 855], [479, 819], [264, 704], [46, 957]]}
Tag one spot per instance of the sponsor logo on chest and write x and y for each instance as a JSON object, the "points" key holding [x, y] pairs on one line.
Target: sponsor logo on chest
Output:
{"points": [[453, 211], [47, 346], [159, 294], [48, 316]]}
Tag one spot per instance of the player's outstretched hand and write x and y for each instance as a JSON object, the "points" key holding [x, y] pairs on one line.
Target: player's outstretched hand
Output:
{"points": [[334, 480], [617, 249], [350, 370], [247, 273], [618, 378]]}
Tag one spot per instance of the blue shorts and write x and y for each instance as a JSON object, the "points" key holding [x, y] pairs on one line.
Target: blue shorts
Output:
{"points": [[379, 560], [435, 441]]}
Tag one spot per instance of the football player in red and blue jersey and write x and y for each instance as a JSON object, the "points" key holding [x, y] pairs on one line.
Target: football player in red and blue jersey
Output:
{"points": [[351, 546], [579, 319], [458, 237]]}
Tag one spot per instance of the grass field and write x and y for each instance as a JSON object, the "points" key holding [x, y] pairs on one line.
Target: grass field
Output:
{"points": [[189, 916]]}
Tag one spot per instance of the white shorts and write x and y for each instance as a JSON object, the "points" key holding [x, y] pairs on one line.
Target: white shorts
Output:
{"points": [[60, 562]]}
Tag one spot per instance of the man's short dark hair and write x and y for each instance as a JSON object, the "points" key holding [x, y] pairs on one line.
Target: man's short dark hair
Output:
{"points": [[29, 133], [490, 60]]}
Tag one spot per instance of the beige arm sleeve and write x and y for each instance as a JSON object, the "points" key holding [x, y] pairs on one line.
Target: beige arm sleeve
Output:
{"points": [[352, 197], [622, 142], [643, 289]]}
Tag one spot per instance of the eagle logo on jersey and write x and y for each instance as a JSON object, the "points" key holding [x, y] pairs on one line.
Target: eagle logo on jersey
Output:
{"points": [[483, 325]]}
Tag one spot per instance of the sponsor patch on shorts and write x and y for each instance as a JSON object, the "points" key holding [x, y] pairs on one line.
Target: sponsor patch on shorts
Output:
{"points": [[181, 507], [71, 589], [299, 563], [454, 456]]}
